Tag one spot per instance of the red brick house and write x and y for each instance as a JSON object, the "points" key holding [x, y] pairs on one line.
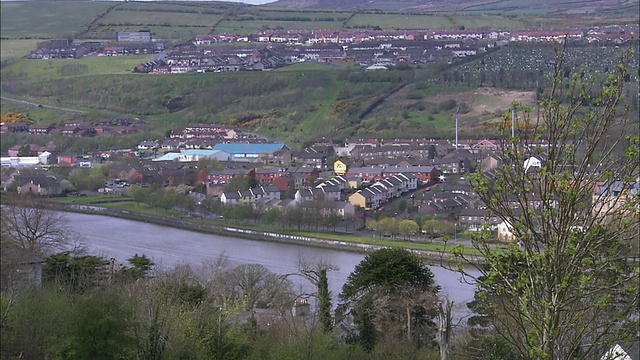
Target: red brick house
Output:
{"points": [[424, 174], [132, 175], [266, 175], [225, 175], [67, 158]]}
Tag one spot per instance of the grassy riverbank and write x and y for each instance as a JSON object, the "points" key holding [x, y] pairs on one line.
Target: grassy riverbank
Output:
{"points": [[129, 209]]}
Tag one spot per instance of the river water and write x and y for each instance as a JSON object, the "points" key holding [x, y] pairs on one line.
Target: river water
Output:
{"points": [[169, 247]]}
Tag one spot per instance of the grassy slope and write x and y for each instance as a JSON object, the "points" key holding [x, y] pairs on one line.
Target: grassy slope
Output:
{"points": [[303, 101], [11, 49], [46, 19]]}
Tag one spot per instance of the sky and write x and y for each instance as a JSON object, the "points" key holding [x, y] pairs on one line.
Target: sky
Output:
{"points": [[252, 2]]}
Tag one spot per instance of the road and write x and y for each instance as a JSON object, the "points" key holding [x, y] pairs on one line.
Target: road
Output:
{"points": [[42, 106]]}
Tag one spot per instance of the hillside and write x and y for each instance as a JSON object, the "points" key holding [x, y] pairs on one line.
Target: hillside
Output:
{"points": [[294, 104], [298, 103], [483, 6]]}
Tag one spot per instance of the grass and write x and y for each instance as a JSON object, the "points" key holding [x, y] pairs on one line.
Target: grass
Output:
{"points": [[41, 116], [37, 70], [434, 246], [14, 49], [400, 21], [248, 27], [157, 32], [47, 19], [116, 202], [148, 18]]}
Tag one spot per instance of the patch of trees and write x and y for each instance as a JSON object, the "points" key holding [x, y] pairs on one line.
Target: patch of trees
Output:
{"points": [[392, 297], [163, 197]]}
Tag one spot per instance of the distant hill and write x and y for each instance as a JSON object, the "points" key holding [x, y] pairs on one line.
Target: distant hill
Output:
{"points": [[566, 7]]}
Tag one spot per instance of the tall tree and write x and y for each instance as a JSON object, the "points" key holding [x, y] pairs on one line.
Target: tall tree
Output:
{"points": [[569, 290], [316, 272], [392, 291]]}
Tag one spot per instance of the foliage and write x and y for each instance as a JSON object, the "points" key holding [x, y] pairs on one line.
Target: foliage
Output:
{"points": [[569, 291], [88, 179], [408, 228], [77, 274], [241, 183], [435, 227], [11, 118], [316, 272], [97, 327], [29, 322], [391, 292], [140, 267]]}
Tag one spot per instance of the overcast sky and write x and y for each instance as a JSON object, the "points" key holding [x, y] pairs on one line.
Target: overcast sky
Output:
{"points": [[253, 2]]}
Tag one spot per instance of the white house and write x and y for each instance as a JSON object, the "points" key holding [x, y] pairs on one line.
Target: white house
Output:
{"points": [[505, 232]]}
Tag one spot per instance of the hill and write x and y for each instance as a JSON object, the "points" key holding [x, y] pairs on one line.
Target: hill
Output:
{"points": [[477, 6]]}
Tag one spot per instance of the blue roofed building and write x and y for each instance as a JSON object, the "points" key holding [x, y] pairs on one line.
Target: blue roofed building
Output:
{"points": [[249, 152], [195, 155]]}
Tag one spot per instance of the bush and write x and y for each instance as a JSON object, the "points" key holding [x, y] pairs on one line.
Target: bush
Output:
{"points": [[447, 105]]}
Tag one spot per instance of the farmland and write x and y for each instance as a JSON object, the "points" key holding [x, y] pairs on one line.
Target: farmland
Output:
{"points": [[14, 48], [46, 19], [181, 21], [29, 70]]}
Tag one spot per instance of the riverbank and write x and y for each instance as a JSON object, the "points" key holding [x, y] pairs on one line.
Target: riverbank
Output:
{"points": [[197, 225]]}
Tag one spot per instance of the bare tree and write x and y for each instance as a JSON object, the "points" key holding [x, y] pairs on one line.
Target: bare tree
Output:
{"points": [[569, 289], [254, 285], [39, 231]]}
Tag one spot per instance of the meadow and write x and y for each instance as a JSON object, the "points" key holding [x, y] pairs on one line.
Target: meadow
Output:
{"points": [[11, 49], [47, 19], [39, 70]]}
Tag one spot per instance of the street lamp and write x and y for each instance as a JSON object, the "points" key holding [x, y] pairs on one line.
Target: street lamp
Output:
{"points": [[455, 232]]}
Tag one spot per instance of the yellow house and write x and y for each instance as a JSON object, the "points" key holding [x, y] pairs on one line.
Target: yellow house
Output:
{"points": [[366, 199], [339, 167]]}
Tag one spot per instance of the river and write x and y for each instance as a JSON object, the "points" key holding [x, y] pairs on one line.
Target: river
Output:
{"points": [[168, 247]]}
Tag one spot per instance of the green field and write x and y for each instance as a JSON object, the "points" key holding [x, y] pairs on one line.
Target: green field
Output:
{"points": [[47, 19], [158, 32], [30, 19], [40, 115], [15, 49], [38, 70], [400, 21], [253, 26], [148, 18]]}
